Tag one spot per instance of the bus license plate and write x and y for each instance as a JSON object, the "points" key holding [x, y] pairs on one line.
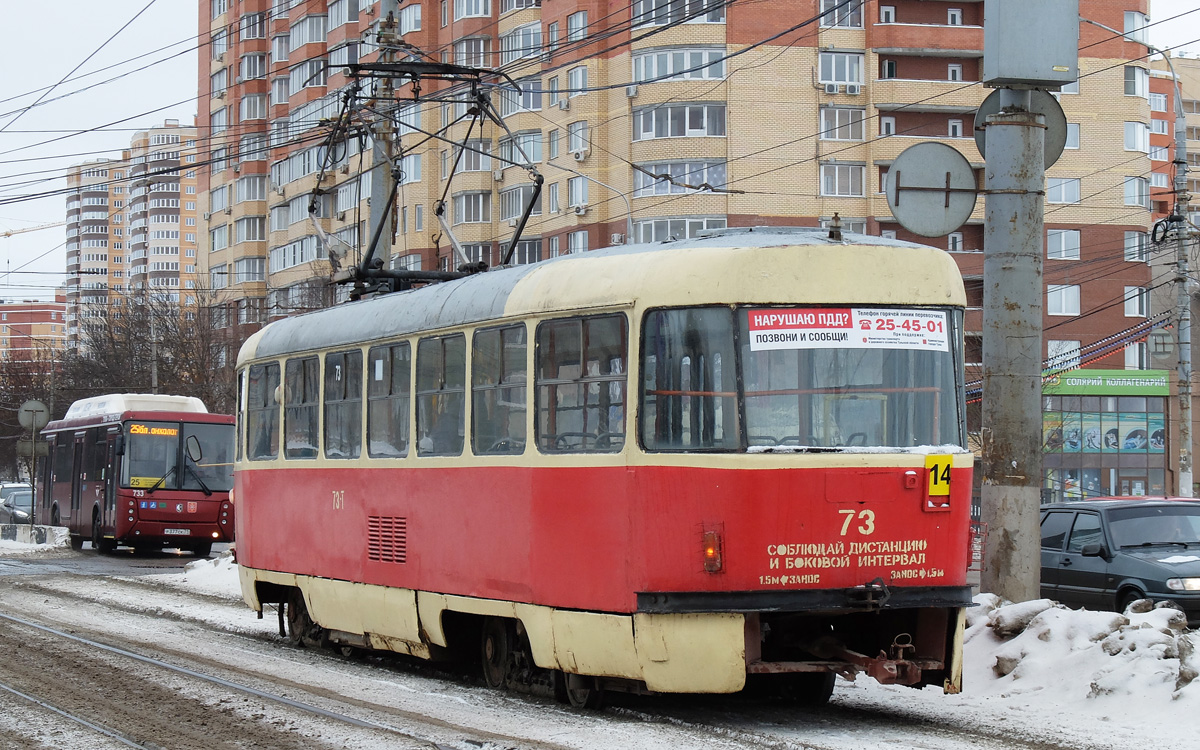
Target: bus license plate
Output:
{"points": [[178, 532]]}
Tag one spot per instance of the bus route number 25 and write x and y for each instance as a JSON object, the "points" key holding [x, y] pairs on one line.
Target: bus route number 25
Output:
{"points": [[866, 519]]}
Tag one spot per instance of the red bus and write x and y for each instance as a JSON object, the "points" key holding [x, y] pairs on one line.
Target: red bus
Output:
{"points": [[141, 470], [678, 467]]}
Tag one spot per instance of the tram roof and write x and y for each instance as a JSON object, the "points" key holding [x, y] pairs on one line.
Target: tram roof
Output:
{"points": [[759, 265]]}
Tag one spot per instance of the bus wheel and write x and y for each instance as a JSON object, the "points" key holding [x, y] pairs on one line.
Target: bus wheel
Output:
{"points": [[494, 648], [76, 542], [99, 543], [582, 691], [54, 519], [203, 549]]}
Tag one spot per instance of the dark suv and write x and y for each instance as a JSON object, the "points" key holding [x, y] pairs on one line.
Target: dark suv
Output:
{"points": [[1104, 554]]}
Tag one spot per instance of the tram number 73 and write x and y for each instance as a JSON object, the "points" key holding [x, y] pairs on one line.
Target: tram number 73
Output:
{"points": [[867, 518], [339, 499]]}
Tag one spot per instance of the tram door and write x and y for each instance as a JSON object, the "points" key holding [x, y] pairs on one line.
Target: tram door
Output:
{"points": [[77, 470]]}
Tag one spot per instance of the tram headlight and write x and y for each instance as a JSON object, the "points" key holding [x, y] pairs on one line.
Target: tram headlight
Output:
{"points": [[710, 547]]}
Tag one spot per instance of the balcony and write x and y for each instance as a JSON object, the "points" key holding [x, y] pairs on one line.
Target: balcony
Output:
{"points": [[928, 40], [891, 93]]}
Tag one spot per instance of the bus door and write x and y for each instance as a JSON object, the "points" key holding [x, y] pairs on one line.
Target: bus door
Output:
{"points": [[77, 470], [110, 475]]}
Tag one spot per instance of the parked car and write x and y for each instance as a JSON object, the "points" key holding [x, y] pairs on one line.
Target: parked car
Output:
{"points": [[1105, 554], [7, 488], [17, 507]]}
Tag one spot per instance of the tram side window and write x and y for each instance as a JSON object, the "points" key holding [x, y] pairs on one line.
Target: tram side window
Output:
{"points": [[241, 419], [262, 412], [498, 377], [301, 378], [343, 404], [441, 395], [580, 384], [389, 386], [689, 381]]}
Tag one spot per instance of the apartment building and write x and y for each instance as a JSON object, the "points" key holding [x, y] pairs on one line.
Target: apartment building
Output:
{"points": [[33, 331], [654, 119], [131, 228]]}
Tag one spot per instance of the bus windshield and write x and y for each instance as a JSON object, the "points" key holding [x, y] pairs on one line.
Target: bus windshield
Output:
{"points": [[800, 378], [155, 459]]}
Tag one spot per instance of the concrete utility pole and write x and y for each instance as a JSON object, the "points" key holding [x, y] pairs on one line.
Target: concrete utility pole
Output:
{"points": [[383, 148], [1018, 56], [1012, 348]]}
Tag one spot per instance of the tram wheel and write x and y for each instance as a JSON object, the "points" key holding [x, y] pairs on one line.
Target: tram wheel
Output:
{"points": [[582, 691], [493, 652], [99, 543], [299, 623]]}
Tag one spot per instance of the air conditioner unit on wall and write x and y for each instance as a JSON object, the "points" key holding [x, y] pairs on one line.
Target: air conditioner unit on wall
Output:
{"points": [[831, 88], [564, 104], [498, 175], [581, 210], [616, 239], [853, 89], [631, 90], [579, 154]]}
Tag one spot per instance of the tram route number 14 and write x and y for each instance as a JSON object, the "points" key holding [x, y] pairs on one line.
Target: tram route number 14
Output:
{"points": [[339, 499], [939, 474]]}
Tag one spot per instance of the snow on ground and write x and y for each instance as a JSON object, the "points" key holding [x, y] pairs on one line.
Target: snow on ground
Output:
{"points": [[1032, 668]]}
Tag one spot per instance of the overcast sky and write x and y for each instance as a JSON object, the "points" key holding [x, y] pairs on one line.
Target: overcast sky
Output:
{"points": [[39, 51]]}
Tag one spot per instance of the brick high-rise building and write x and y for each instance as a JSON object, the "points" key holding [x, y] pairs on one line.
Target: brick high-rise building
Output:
{"points": [[131, 228], [658, 118], [33, 331]]}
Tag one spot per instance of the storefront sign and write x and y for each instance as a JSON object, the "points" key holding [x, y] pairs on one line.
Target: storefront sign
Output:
{"points": [[1108, 383]]}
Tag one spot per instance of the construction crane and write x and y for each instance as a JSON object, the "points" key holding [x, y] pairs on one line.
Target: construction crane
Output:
{"points": [[11, 232]]}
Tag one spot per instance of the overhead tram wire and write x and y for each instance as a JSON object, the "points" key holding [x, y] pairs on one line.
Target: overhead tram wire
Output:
{"points": [[96, 51]]}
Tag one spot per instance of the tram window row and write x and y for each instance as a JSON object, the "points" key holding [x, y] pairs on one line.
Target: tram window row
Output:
{"points": [[703, 389]]}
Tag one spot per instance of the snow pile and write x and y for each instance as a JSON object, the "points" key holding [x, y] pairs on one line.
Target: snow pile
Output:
{"points": [[1027, 652], [216, 576], [57, 538]]}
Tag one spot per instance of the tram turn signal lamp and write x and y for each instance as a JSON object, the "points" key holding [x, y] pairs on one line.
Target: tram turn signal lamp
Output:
{"points": [[711, 549]]}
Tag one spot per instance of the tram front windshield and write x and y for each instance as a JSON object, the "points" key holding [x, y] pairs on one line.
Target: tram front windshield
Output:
{"points": [[800, 378], [155, 456]]}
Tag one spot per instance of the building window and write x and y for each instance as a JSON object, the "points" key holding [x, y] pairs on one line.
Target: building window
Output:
{"points": [[1072, 135], [1135, 26], [954, 72], [841, 13], [472, 52], [843, 180], [526, 98], [577, 136], [577, 81], [577, 26], [253, 66], [887, 69], [254, 107], [685, 121], [410, 18], [577, 192], [1062, 190], [887, 126], [523, 41], [514, 200], [954, 17], [1062, 354], [954, 242], [1137, 302], [660, 230], [956, 129], [1062, 244], [1137, 356], [1137, 247], [841, 124], [1137, 136], [577, 242], [887, 13], [677, 177], [1158, 103], [841, 67], [522, 148], [1137, 192], [471, 9], [473, 208], [254, 26], [1137, 81], [1062, 299], [663, 12], [679, 63]]}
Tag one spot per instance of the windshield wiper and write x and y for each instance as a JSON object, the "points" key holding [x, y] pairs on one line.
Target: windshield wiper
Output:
{"points": [[161, 479], [203, 486], [1155, 544]]}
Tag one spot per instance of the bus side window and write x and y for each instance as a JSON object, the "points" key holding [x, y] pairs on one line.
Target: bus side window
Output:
{"points": [[498, 377], [302, 385], [441, 395], [581, 384], [262, 412]]}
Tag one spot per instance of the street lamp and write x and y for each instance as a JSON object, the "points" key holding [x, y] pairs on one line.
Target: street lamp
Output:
{"points": [[624, 197]]}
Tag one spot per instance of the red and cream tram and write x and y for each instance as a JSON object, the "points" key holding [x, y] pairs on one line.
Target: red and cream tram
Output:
{"points": [[143, 470], [672, 467]]}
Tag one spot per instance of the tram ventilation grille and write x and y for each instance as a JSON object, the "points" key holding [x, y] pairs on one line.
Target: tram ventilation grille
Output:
{"points": [[387, 539]]}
